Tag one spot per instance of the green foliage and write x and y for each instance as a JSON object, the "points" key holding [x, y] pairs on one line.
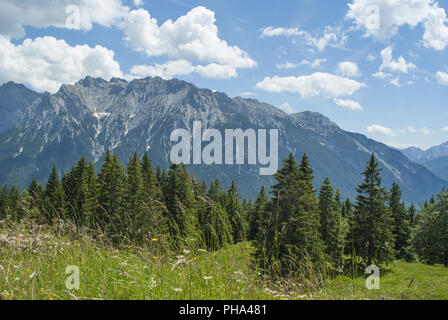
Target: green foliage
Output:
{"points": [[332, 223], [430, 238], [373, 221], [401, 228]]}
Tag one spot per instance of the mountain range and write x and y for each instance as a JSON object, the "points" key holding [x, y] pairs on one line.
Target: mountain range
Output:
{"points": [[435, 158], [87, 118]]}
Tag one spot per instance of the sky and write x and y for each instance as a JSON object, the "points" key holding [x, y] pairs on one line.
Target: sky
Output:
{"points": [[377, 67]]}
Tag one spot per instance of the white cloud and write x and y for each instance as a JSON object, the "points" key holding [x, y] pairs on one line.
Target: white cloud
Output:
{"points": [[192, 37], [444, 129], [381, 19], [381, 130], [314, 64], [174, 68], [381, 75], [371, 58], [46, 63], [395, 82], [349, 69], [399, 65], [318, 83], [348, 104], [423, 130], [14, 15], [138, 3], [442, 77], [287, 65], [329, 36], [287, 108]]}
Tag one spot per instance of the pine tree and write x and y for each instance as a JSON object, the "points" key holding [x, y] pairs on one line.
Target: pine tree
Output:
{"points": [[430, 238], [401, 228], [303, 237], [36, 192], [134, 201], [332, 228], [236, 214], [54, 196], [256, 215], [181, 205], [154, 201], [111, 186], [81, 186], [373, 222]]}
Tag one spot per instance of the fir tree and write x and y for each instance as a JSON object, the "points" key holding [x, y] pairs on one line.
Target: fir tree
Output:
{"points": [[236, 214], [373, 222], [54, 196], [401, 228], [256, 215], [332, 228]]}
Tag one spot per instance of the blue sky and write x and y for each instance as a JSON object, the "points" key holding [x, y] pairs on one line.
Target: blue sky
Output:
{"points": [[377, 67]]}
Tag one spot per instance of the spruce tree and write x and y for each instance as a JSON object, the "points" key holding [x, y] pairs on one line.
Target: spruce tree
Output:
{"points": [[401, 228], [54, 197], [257, 215], [373, 222], [134, 201], [332, 228], [111, 186], [236, 214]]}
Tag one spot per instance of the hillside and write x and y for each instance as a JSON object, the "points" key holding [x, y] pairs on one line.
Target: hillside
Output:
{"points": [[39, 260]]}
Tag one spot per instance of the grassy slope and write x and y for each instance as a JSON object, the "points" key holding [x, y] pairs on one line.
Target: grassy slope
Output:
{"points": [[33, 264]]}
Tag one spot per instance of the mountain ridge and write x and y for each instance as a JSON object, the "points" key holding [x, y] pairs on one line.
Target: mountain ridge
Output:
{"points": [[94, 114]]}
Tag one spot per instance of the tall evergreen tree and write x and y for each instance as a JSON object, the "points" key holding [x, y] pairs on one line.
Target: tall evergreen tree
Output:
{"points": [[401, 228], [236, 214], [332, 228], [257, 214], [54, 196], [111, 186], [373, 222]]}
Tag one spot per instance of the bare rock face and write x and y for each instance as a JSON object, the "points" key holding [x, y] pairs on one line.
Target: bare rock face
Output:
{"points": [[87, 118]]}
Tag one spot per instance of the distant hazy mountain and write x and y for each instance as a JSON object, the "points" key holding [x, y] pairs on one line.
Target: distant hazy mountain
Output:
{"points": [[94, 114], [435, 158]]}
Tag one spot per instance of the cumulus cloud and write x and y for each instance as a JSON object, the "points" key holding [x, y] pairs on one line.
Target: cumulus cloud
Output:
{"points": [[329, 36], [287, 108], [348, 104], [15, 15], [174, 68], [423, 130], [289, 65], [381, 75], [371, 58], [442, 77], [193, 37], [318, 83], [46, 63], [349, 69], [381, 130], [390, 64], [444, 129], [381, 19]]}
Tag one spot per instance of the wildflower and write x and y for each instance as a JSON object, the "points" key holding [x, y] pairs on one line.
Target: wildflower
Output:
{"points": [[177, 289], [154, 239], [180, 275], [207, 277], [186, 251]]}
